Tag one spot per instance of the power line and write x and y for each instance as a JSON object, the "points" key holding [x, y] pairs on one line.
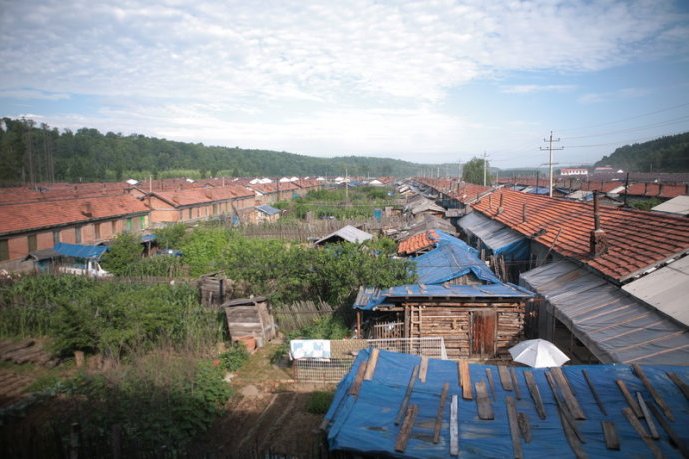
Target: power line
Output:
{"points": [[662, 110], [550, 160], [633, 129]]}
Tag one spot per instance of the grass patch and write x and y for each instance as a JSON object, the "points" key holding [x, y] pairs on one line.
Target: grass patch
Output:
{"points": [[319, 402]]}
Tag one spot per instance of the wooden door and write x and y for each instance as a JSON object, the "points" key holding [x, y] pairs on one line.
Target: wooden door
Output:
{"points": [[483, 333]]}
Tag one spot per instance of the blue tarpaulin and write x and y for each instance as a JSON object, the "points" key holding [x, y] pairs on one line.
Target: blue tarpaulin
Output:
{"points": [[368, 299], [450, 259], [365, 423], [80, 251]]}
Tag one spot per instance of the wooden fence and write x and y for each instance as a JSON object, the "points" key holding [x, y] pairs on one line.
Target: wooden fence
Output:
{"points": [[303, 231], [294, 316]]}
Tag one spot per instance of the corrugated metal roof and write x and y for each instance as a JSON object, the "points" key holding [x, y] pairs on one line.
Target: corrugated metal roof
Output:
{"points": [[678, 205], [666, 289], [268, 210], [347, 233], [614, 326], [495, 235]]}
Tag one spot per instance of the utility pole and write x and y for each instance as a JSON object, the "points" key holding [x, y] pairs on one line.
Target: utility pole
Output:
{"points": [[346, 186], [550, 160], [484, 167]]}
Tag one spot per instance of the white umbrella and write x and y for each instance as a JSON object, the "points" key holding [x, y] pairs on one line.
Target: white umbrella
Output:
{"points": [[538, 353]]}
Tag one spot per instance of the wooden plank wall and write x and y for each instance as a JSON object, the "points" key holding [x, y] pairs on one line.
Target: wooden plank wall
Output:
{"points": [[452, 321]]}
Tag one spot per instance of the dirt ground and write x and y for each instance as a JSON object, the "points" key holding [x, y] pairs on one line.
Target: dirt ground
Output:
{"points": [[267, 412]]}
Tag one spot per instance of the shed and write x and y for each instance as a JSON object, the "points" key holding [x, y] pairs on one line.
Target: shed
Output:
{"points": [[250, 317], [348, 234], [458, 298]]}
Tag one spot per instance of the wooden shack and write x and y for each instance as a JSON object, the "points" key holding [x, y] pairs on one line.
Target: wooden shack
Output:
{"points": [[250, 317], [484, 326]]}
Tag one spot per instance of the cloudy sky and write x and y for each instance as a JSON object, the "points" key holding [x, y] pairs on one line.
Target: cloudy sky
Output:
{"points": [[425, 81]]}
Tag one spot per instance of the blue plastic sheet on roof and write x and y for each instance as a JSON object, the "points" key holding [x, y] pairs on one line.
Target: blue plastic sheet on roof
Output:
{"points": [[148, 238], [370, 298], [80, 251], [365, 423], [450, 259]]}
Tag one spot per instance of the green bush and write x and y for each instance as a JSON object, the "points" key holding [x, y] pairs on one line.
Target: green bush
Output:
{"points": [[235, 358], [107, 317], [158, 400], [319, 402], [124, 252]]}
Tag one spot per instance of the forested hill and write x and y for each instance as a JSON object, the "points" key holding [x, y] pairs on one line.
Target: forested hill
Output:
{"points": [[32, 153], [666, 154]]}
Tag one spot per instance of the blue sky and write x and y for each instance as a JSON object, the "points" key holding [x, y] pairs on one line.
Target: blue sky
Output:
{"points": [[424, 81]]}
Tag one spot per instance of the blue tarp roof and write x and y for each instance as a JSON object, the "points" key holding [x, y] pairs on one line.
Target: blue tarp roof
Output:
{"points": [[148, 238], [80, 251], [451, 258], [268, 210], [365, 423], [369, 298]]}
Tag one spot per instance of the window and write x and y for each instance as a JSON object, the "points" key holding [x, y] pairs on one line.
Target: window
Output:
{"points": [[4, 250], [142, 222], [129, 224], [114, 227], [96, 230], [33, 243], [77, 234], [56, 237], [189, 214]]}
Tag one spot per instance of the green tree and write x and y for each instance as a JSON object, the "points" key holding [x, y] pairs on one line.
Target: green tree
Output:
{"points": [[124, 252], [473, 171]]}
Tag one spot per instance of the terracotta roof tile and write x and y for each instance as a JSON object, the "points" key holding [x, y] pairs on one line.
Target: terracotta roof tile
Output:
{"points": [[24, 217], [418, 242], [203, 195], [637, 240]]}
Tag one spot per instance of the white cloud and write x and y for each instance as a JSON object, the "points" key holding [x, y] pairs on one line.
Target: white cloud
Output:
{"points": [[624, 93], [534, 88], [319, 76]]}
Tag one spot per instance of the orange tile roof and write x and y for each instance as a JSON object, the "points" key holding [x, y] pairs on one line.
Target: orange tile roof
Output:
{"points": [[417, 242], [637, 239], [15, 218], [203, 195]]}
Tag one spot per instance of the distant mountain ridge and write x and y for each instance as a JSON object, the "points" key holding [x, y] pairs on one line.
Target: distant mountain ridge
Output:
{"points": [[35, 153], [665, 154]]}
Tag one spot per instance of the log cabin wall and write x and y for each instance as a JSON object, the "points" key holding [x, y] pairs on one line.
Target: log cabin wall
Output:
{"points": [[477, 330]]}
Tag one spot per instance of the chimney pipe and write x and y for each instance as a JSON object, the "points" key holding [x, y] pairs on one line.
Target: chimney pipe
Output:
{"points": [[598, 239], [626, 187], [525, 213]]}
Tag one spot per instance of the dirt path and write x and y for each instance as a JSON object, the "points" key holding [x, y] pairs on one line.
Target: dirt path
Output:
{"points": [[268, 412]]}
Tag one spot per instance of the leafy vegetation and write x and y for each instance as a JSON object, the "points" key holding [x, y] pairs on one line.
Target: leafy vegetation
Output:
{"points": [[161, 401], [340, 204], [319, 402], [288, 272], [666, 154], [235, 358], [89, 155], [106, 317], [124, 252], [473, 171], [647, 204]]}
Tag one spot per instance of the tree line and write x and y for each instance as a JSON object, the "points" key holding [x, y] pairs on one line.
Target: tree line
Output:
{"points": [[33, 153], [665, 154]]}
